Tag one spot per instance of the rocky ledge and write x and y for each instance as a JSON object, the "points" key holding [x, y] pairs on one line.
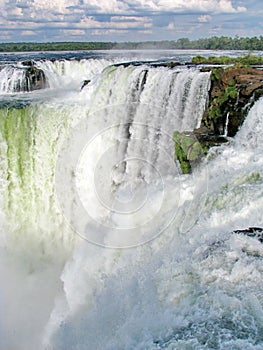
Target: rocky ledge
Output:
{"points": [[233, 92], [34, 78]]}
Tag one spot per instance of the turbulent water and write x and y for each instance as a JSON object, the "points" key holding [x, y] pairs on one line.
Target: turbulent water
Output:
{"points": [[104, 243]]}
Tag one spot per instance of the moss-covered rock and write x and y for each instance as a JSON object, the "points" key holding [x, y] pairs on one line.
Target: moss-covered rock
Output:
{"points": [[233, 92], [191, 147], [188, 150]]}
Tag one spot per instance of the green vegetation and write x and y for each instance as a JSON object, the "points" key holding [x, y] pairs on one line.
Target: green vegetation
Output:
{"points": [[57, 46], [228, 94], [222, 43], [246, 60], [172, 64], [212, 43], [187, 150], [213, 60], [215, 74], [182, 158]]}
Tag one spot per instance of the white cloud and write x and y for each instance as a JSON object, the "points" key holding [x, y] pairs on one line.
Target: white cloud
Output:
{"points": [[5, 35], [91, 22], [106, 6], [123, 7], [124, 15], [131, 18], [145, 31], [16, 11], [213, 6], [204, 18], [61, 6], [171, 26], [107, 32], [133, 21], [28, 32], [74, 32]]}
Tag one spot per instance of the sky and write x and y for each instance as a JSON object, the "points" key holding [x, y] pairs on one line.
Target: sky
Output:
{"points": [[127, 20]]}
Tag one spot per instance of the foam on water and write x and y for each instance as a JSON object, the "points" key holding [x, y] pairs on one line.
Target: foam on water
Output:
{"points": [[196, 288]]}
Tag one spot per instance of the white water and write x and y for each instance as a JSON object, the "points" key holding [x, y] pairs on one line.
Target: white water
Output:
{"points": [[187, 282], [11, 79], [69, 74]]}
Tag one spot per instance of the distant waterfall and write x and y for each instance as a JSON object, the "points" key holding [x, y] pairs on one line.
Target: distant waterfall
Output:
{"points": [[11, 79], [71, 73], [21, 78], [52, 74]]}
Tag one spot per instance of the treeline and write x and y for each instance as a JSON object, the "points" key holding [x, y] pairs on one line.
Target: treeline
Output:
{"points": [[55, 46], [212, 43], [222, 43]]}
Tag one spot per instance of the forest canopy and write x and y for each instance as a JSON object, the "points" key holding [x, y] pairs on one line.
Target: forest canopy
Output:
{"points": [[212, 43]]}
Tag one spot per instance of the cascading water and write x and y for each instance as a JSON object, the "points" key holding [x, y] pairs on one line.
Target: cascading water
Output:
{"points": [[104, 244], [12, 79], [21, 77], [70, 73]]}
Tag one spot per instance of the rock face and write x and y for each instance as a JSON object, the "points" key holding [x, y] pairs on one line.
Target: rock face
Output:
{"points": [[34, 77], [190, 147], [187, 149], [84, 83], [233, 92]]}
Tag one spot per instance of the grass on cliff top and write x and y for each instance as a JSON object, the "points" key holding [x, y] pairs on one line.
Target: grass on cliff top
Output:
{"points": [[247, 60]]}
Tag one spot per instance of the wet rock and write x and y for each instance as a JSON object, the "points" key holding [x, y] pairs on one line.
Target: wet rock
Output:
{"points": [[254, 232], [233, 92], [190, 147], [34, 79], [187, 150], [27, 63], [84, 83]]}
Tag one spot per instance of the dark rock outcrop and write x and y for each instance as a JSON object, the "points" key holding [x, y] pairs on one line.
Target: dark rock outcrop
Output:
{"points": [[233, 92], [34, 78], [84, 83], [254, 232]]}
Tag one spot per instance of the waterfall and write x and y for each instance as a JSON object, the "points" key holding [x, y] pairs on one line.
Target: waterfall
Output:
{"points": [[185, 287], [104, 244], [70, 73], [124, 150], [12, 79], [30, 139], [149, 104], [140, 106], [58, 74], [226, 125], [22, 77]]}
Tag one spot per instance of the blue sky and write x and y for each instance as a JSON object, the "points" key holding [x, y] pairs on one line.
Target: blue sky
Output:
{"points": [[127, 20]]}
